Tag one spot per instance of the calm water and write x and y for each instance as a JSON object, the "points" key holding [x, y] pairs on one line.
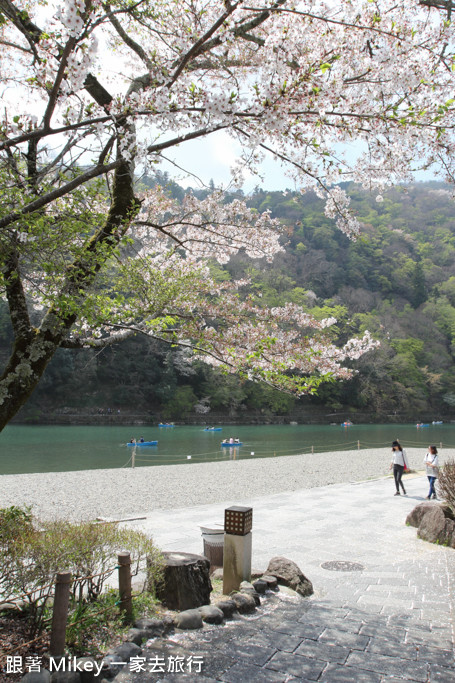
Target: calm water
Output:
{"points": [[54, 449]]}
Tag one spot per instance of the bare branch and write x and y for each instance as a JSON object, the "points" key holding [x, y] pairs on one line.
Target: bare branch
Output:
{"points": [[46, 199], [127, 39]]}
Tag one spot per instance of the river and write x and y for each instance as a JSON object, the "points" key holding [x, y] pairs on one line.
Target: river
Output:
{"points": [[26, 449]]}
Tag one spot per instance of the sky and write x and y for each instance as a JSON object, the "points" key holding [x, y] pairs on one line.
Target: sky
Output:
{"points": [[212, 158]]}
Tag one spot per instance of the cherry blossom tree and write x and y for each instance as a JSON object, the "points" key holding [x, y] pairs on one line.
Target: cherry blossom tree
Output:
{"points": [[95, 93]]}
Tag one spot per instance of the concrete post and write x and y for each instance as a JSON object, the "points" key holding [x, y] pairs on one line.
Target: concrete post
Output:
{"points": [[237, 547]]}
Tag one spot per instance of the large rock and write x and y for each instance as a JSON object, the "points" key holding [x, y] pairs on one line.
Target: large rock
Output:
{"points": [[188, 619], [271, 581], [227, 607], [289, 574], [244, 603], [416, 515], [435, 527], [211, 614], [248, 589], [153, 628], [260, 586]]}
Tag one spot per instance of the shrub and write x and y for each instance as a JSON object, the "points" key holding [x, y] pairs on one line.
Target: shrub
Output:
{"points": [[31, 556], [446, 483], [91, 625], [14, 522]]}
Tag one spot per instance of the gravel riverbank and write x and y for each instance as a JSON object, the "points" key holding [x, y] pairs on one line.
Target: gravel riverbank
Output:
{"points": [[119, 493]]}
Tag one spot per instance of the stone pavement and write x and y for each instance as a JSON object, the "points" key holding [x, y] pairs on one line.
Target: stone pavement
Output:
{"points": [[384, 602]]}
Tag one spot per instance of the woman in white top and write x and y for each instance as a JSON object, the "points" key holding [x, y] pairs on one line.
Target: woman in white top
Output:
{"points": [[432, 469], [398, 463]]}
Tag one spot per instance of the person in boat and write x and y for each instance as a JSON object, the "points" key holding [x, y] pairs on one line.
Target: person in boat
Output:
{"points": [[236, 440], [132, 440], [141, 440], [231, 440]]}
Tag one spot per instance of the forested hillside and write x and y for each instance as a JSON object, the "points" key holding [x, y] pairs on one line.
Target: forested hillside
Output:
{"points": [[397, 280]]}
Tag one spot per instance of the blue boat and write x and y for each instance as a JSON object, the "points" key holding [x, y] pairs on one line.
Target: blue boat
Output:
{"points": [[166, 424], [231, 443], [212, 429], [143, 443]]}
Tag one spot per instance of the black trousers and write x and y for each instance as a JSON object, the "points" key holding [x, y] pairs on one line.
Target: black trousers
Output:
{"points": [[397, 474]]}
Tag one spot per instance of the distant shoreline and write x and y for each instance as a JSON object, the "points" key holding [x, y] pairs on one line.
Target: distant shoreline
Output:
{"points": [[125, 420], [122, 492]]}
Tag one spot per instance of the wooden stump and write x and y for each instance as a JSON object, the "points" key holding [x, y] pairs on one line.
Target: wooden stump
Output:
{"points": [[186, 582]]}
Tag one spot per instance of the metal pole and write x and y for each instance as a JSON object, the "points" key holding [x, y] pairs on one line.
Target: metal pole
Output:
{"points": [[60, 613], [124, 583]]}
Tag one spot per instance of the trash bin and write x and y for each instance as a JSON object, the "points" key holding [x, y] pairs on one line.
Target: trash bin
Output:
{"points": [[213, 538]]}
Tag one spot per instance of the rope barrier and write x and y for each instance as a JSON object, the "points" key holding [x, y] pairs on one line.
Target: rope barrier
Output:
{"points": [[37, 590], [220, 455], [127, 463]]}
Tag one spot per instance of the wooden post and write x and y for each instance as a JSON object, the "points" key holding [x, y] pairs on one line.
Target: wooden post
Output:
{"points": [[312, 450], [60, 613], [133, 457], [124, 583], [358, 445]]}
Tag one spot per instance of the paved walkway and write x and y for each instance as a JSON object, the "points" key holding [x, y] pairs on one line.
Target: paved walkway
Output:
{"points": [[393, 620]]}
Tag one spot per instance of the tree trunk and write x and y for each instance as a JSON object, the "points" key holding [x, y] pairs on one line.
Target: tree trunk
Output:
{"points": [[34, 348], [186, 583], [23, 372]]}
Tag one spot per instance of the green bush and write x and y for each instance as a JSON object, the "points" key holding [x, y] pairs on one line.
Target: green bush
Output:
{"points": [[32, 554], [14, 522], [91, 624]]}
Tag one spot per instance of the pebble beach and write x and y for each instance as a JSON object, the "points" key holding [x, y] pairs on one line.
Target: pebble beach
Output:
{"points": [[121, 493]]}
